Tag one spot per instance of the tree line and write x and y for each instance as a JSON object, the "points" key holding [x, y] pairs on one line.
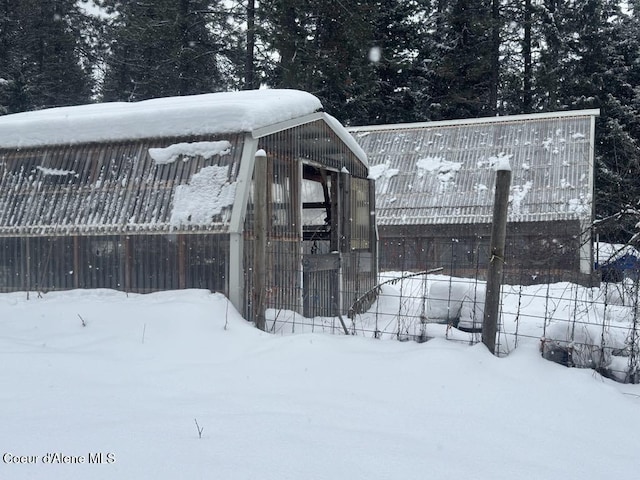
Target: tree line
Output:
{"points": [[369, 62]]}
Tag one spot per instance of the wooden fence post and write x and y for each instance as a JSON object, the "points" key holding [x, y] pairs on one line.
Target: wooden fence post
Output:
{"points": [[496, 254], [260, 238]]}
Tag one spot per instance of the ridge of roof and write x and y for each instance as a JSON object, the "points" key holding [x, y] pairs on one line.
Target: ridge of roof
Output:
{"points": [[474, 121]]}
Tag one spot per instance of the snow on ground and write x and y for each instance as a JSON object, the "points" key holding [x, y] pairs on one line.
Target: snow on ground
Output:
{"points": [[96, 371]]}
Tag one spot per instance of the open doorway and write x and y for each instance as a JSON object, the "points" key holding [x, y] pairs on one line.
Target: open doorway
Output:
{"points": [[321, 226]]}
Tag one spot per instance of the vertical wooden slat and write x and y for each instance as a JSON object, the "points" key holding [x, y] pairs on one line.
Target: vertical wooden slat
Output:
{"points": [[262, 185]]}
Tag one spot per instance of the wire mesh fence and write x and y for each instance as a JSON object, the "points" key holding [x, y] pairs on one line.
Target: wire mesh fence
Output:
{"points": [[589, 326]]}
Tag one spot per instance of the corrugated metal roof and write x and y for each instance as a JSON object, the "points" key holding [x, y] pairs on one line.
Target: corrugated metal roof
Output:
{"points": [[440, 173], [117, 187]]}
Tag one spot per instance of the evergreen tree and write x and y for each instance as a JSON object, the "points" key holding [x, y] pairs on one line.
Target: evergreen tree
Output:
{"points": [[362, 59], [515, 67], [43, 60], [556, 33], [536, 54], [165, 47], [603, 71], [320, 46], [462, 86], [249, 62], [393, 86]]}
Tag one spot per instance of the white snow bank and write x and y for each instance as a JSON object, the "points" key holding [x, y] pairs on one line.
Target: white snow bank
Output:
{"points": [[170, 154], [133, 382], [445, 299], [225, 112], [457, 300], [583, 344]]}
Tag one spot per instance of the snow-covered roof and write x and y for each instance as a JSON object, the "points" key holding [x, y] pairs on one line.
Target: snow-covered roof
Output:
{"points": [[444, 172], [214, 113], [171, 164]]}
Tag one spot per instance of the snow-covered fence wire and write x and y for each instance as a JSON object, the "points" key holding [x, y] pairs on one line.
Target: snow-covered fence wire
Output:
{"points": [[573, 324], [586, 327]]}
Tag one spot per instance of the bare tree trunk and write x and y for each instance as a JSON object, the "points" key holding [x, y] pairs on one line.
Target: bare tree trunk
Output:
{"points": [[249, 65], [495, 56], [527, 94], [183, 29], [551, 66]]}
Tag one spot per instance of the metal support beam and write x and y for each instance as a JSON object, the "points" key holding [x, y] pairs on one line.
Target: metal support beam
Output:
{"points": [[236, 227]]}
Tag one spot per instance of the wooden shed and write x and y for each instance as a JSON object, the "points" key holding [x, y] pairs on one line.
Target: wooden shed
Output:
{"points": [[169, 194], [435, 190]]}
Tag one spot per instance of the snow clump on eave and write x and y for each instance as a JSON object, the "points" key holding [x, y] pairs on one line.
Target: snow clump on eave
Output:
{"points": [[163, 156]]}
